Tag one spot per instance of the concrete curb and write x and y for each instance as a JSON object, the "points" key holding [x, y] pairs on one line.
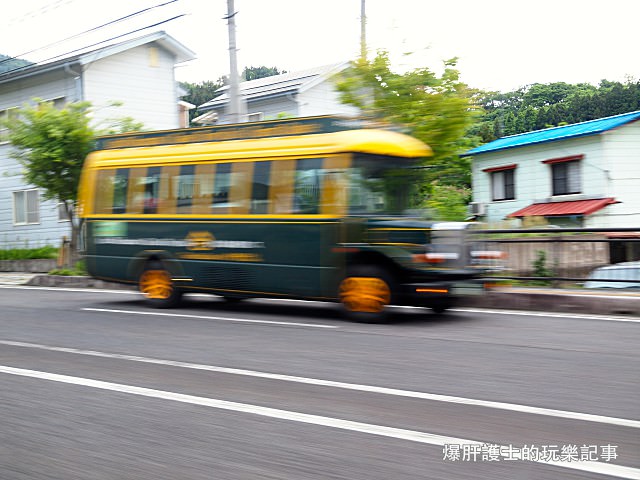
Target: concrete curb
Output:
{"points": [[75, 281], [41, 265], [599, 303]]}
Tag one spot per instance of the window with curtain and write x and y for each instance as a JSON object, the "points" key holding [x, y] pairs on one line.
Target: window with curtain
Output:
{"points": [[26, 207], [502, 185], [566, 178]]}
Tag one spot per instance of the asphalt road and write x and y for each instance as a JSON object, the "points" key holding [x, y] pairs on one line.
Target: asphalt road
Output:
{"points": [[95, 385]]}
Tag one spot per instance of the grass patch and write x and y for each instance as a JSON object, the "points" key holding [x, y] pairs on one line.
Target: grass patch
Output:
{"points": [[78, 270], [47, 252]]}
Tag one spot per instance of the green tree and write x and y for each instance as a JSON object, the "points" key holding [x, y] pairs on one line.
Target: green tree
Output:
{"points": [[539, 106], [539, 95], [509, 123], [200, 93], [51, 144], [254, 73], [435, 109], [448, 202], [9, 63]]}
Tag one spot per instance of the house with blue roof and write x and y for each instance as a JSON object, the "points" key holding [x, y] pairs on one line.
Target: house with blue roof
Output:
{"points": [[581, 175]]}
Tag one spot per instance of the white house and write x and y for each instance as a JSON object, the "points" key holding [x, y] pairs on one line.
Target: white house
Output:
{"points": [[296, 94], [138, 73], [581, 175]]}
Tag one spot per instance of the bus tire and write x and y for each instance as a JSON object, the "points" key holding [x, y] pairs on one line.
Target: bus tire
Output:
{"points": [[440, 307], [156, 285], [365, 293], [232, 300]]}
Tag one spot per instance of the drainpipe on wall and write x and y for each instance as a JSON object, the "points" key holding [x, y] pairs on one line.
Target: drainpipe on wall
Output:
{"points": [[77, 76]]}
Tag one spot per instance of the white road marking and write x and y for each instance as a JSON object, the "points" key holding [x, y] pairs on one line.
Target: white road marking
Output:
{"points": [[208, 317], [587, 417], [581, 316], [372, 429]]}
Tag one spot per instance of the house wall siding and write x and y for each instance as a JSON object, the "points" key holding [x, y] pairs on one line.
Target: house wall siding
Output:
{"points": [[147, 92], [275, 107], [621, 148], [323, 99], [270, 108], [47, 86], [49, 230]]}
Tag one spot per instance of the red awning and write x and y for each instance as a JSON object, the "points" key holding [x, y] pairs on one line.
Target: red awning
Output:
{"points": [[562, 209]]}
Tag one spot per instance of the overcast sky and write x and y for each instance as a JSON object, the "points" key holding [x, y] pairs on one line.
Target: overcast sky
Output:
{"points": [[501, 44]]}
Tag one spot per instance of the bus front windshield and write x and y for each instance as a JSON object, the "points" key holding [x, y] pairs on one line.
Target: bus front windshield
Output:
{"points": [[382, 185]]}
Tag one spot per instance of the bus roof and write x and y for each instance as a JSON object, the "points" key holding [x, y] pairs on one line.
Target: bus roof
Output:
{"points": [[237, 131], [372, 141]]}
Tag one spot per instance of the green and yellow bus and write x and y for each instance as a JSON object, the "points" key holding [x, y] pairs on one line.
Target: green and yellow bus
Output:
{"points": [[310, 208]]}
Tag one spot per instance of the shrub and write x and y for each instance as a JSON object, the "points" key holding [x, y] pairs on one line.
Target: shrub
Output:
{"points": [[78, 270], [540, 268], [46, 252]]}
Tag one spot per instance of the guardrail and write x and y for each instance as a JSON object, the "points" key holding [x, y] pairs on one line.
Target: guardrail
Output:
{"points": [[564, 257]]}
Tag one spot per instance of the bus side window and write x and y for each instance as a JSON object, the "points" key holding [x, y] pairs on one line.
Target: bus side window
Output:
{"points": [[281, 187], [135, 195], [104, 190], [167, 191], [307, 186], [151, 190], [240, 189], [221, 186], [120, 187], [204, 178], [260, 188], [335, 185], [187, 188]]}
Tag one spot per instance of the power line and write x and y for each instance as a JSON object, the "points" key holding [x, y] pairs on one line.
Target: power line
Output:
{"points": [[118, 20], [89, 46], [37, 12]]}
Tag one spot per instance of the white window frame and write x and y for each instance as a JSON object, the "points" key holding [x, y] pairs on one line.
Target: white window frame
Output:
{"points": [[255, 117], [62, 212], [501, 190], [4, 114], [58, 102], [25, 207]]}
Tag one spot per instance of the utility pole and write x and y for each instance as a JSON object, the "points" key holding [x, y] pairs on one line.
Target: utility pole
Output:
{"points": [[363, 33], [234, 110]]}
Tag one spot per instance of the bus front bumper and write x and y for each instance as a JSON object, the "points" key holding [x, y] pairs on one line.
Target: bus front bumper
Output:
{"points": [[425, 293]]}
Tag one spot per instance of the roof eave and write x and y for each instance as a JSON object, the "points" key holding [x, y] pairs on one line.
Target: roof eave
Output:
{"points": [[528, 144], [324, 77], [599, 126], [224, 101], [39, 71], [182, 53]]}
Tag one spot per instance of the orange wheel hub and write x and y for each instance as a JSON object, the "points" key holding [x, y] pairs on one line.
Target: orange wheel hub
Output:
{"points": [[156, 284], [365, 294]]}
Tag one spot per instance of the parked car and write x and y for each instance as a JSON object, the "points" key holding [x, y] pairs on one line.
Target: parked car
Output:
{"points": [[626, 274]]}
